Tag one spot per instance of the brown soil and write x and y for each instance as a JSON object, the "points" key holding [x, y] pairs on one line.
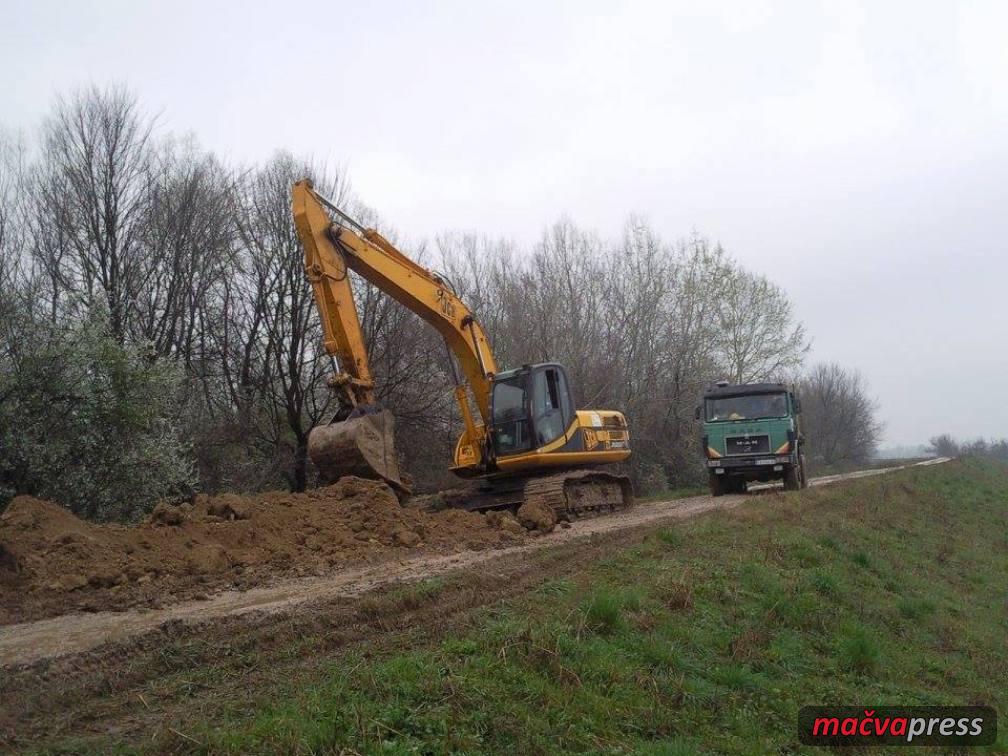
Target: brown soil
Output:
{"points": [[51, 562]]}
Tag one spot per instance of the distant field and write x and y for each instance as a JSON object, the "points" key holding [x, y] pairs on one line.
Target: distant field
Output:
{"points": [[705, 636]]}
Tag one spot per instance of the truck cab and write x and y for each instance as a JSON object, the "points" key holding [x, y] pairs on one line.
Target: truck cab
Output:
{"points": [[751, 433]]}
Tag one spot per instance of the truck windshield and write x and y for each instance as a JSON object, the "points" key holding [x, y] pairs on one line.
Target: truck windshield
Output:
{"points": [[747, 407]]}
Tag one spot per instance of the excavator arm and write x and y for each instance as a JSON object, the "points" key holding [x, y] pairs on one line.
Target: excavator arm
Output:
{"points": [[331, 250], [329, 276]]}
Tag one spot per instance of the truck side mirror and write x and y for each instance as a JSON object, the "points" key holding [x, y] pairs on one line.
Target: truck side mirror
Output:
{"points": [[696, 413]]}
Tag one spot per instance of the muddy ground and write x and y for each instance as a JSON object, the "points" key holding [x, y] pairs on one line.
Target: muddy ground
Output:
{"points": [[52, 563]]}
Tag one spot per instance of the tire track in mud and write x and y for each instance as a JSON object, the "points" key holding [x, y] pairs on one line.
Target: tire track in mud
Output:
{"points": [[30, 642]]}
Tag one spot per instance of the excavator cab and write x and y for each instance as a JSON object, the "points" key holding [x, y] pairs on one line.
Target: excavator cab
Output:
{"points": [[531, 407]]}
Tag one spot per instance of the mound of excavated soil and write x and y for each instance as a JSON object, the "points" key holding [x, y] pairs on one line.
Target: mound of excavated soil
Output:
{"points": [[51, 562]]}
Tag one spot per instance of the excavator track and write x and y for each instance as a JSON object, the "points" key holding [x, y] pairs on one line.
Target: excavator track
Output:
{"points": [[581, 493], [571, 495]]}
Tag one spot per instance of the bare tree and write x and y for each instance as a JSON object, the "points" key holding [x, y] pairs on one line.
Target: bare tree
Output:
{"points": [[758, 337], [187, 241], [13, 237], [90, 201], [839, 417], [280, 365], [944, 446], [637, 324], [689, 351], [999, 449]]}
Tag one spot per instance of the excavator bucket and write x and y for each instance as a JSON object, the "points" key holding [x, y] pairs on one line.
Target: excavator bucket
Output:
{"points": [[362, 446]]}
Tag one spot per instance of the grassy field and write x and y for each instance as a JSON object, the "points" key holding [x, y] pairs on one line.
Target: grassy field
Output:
{"points": [[706, 636]]}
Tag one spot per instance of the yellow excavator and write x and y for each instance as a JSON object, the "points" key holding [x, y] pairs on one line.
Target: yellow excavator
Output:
{"points": [[529, 441]]}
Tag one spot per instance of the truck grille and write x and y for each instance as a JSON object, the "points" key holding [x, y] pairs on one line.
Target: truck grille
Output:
{"points": [[747, 445]]}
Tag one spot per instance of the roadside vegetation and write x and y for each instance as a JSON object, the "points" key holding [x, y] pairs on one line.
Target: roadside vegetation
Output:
{"points": [[705, 636]]}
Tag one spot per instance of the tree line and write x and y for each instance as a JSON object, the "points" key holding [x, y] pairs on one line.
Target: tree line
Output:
{"points": [[945, 445], [158, 334]]}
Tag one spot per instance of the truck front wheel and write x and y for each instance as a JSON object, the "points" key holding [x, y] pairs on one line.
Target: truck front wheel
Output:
{"points": [[715, 482], [793, 477]]}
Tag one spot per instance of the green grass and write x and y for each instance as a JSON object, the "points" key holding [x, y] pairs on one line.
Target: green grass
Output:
{"points": [[669, 537], [606, 610], [859, 649], [407, 597], [707, 636]]}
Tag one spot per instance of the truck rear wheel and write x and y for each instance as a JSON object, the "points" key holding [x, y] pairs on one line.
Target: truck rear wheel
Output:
{"points": [[716, 484]]}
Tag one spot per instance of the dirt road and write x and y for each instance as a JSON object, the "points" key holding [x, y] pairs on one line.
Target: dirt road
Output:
{"points": [[72, 633]]}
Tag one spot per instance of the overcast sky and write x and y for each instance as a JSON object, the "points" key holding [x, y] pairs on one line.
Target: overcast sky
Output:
{"points": [[855, 153]]}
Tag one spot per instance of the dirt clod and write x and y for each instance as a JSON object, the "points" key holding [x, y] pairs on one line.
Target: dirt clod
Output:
{"points": [[535, 515], [7, 560], [166, 514], [225, 506], [505, 521], [404, 537]]}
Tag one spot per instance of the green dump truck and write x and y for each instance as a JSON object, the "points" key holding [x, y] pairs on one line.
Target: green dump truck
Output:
{"points": [[751, 433]]}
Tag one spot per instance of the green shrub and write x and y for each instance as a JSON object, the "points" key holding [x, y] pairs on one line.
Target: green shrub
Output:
{"points": [[90, 423]]}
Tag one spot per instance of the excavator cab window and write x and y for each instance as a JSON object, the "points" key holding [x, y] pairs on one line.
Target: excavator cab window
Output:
{"points": [[510, 416], [548, 410], [531, 409]]}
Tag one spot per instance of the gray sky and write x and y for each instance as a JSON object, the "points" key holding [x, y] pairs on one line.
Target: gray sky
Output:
{"points": [[855, 153]]}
